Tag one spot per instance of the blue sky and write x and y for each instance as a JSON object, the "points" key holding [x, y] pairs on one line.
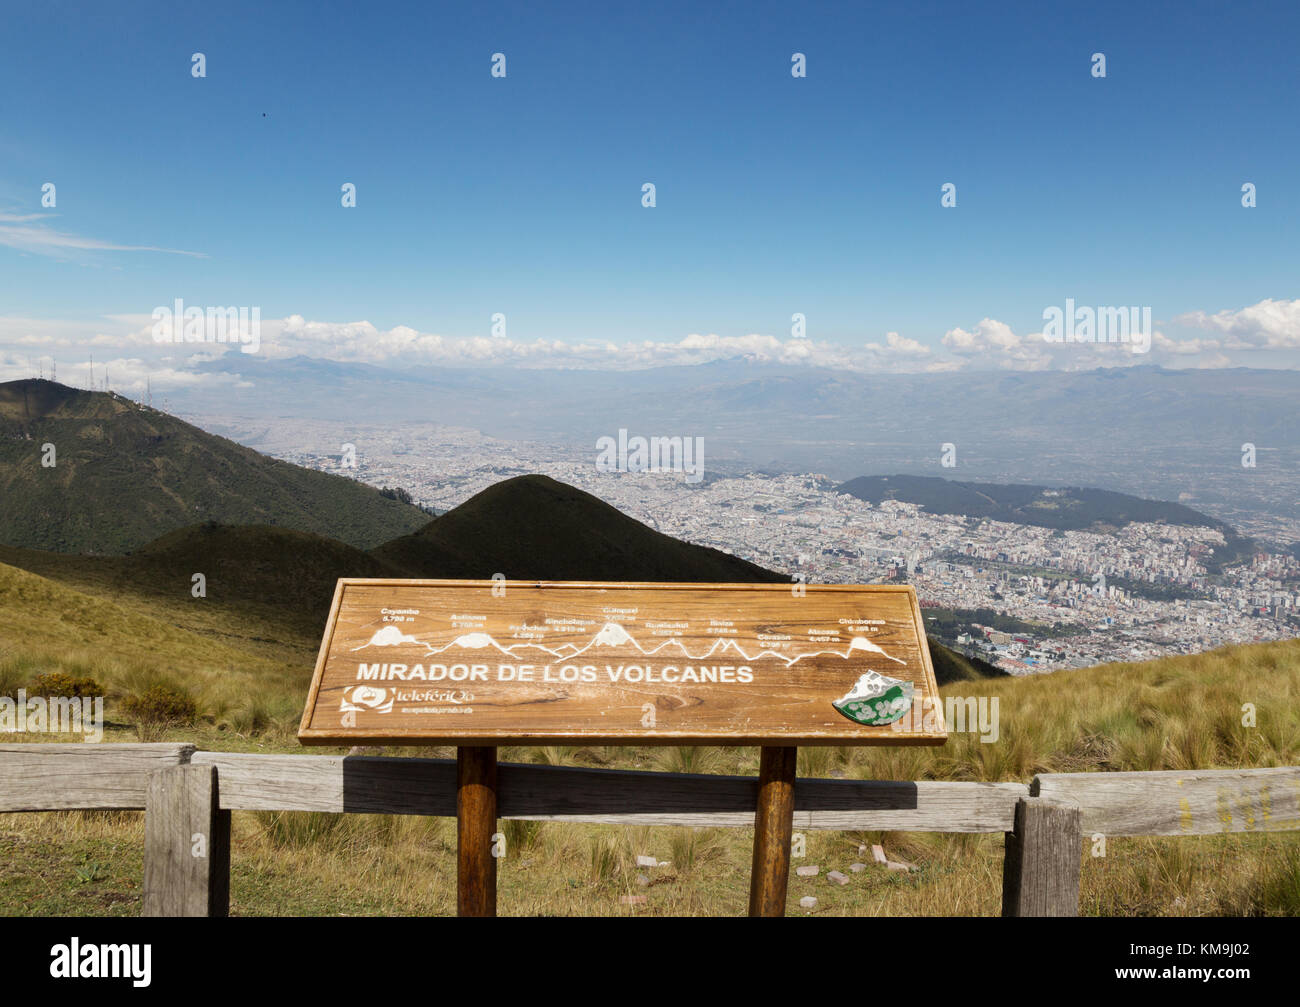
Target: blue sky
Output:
{"points": [[775, 195]]}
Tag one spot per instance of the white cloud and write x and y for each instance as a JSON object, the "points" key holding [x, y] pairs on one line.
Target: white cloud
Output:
{"points": [[990, 343], [364, 342], [989, 335], [1267, 325], [901, 346], [995, 342]]}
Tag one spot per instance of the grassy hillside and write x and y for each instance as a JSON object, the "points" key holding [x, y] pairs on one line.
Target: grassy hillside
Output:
{"points": [[125, 474], [47, 627], [262, 584]]}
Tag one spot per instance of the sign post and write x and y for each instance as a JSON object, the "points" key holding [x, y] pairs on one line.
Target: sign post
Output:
{"points": [[476, 825], [479, 664], [769, 874]]}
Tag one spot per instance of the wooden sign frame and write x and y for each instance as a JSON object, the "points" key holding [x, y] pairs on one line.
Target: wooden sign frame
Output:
{"points": [[797, 711], [774, 813]]}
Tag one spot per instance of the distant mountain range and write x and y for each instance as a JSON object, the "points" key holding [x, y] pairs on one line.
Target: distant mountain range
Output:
{"points": [[1069, 508], [123, 474], [1147, 430], [721, 399]]}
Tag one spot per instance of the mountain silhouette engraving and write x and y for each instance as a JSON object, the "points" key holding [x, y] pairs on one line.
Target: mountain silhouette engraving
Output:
{"points": [[612, 634]]}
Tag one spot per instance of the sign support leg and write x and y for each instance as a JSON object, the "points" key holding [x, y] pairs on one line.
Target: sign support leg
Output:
{"points": [[773, 828], [476, 821]]}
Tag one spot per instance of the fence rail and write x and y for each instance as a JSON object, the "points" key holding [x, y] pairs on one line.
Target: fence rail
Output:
{"points": [[187, 793]]}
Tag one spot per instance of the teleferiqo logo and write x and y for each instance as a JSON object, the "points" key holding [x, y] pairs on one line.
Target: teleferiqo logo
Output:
{"points": [[371, 698], [75, 960]]}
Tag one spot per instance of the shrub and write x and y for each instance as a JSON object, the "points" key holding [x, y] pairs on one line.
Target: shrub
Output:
{"points": [[58, 684], [157, 708]]}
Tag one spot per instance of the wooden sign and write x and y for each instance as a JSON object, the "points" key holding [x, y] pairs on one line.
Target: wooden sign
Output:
{"points": [[454, 662]]}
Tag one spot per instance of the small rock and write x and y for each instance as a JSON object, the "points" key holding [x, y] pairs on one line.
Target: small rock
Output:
{"points": [[807, 902], [894, 865], [808, 872], [665, 863], [646, 862], [862, 851], [631, 900], [857, 868], [642, 880], [878, 852], [838, 878]]}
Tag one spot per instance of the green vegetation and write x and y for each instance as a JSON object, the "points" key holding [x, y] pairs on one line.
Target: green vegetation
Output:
{"points": [[1158, 592], [158, 708], [58, 683], [124, 474]]}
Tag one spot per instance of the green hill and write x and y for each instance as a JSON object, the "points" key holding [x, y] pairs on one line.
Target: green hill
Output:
{"points": [[124, 474], [535, 528]]}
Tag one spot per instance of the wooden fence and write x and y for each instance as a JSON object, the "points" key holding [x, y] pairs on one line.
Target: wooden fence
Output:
{"points": [[187, 796]]}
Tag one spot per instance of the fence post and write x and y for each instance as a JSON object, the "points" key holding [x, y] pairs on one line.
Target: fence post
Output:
{"points": [[769, 875], [476, 821], [186, 844], [1040, 872]]}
